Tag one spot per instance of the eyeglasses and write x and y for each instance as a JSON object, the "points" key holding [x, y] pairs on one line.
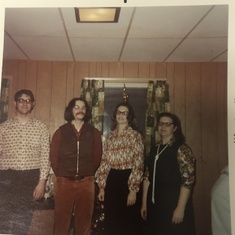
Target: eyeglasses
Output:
{"points": [[124, 113], [167, 124], [22, 101], [78, 107]]}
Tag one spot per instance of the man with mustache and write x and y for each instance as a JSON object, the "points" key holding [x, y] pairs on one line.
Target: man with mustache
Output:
{"points": [[76, 151]]}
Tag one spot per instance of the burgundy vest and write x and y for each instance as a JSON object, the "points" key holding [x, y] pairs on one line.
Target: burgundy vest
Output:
{"points": [[68, 151]]}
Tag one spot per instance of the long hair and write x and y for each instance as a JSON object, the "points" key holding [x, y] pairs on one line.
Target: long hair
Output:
{"points": [[130, 117], [68, 113], [178, 134]]}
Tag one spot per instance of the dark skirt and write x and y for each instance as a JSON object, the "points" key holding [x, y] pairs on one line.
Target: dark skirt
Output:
{"points": [[159, 215], [120, 219]]}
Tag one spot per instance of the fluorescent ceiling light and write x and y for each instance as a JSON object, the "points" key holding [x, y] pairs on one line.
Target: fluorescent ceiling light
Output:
{"points": [[97, 15]]}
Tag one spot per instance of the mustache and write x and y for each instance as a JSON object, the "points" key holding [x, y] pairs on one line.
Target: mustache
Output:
{"points": [[80, 113]]}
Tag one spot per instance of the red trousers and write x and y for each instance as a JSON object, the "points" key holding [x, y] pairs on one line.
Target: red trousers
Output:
{"points": [[77, 196]]}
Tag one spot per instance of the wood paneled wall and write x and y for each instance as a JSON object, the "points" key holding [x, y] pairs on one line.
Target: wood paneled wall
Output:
{"points": [[198, 95]]}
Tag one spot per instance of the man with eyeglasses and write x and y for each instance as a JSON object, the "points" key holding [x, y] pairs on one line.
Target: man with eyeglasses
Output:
{"points": [[24, 165]]}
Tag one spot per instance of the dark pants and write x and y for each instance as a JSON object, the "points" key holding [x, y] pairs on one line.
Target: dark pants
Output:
{"points": [[16, 200], [74, 196], [120, 219]]}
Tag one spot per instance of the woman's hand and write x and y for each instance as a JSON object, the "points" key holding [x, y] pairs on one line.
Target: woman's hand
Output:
{"points": [[101, 195], [178, 215], [131, 198], [143, 211]]}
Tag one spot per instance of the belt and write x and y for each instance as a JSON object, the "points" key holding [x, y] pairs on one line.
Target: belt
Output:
{"points": [[75, 177]]}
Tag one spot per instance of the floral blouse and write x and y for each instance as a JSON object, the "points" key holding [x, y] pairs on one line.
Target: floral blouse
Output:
{"points": [[120, 152]]}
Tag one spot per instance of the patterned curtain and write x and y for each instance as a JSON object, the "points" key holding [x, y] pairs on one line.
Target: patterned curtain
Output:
{"points": [[157, 102], [93, 92], [4, 99]]}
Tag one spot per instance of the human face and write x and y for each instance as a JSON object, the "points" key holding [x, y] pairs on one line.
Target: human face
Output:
{"points": [[166, 128], [121, 115], [79, 110], [24, 105]]}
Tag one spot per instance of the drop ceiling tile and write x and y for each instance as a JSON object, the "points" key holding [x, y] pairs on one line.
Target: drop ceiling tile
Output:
{"points": [[11, 51], [34, 22], [45, 48], [165, 22], [96, 49], [214, 25], [148, 49], [199, 50], [222, 58]]}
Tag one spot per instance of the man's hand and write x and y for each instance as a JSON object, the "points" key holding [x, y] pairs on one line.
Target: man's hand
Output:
{"points": [[39, 190]]}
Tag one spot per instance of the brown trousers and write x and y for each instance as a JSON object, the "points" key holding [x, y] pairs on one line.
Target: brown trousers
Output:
{"points": [[74, 196]]}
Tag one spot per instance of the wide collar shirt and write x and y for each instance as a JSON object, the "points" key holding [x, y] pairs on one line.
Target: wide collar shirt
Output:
{"points": [[24, 146]]}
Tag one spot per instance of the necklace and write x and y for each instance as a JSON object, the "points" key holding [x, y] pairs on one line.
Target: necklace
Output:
{"points": [[158, 147], [154, 169]]}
